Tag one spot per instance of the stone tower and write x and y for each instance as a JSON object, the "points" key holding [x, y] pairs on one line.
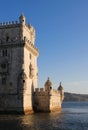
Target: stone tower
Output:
{"points": [[18, 66]]}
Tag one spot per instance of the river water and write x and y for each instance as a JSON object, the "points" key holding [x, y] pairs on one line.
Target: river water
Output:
{"points": [[74, 116]]}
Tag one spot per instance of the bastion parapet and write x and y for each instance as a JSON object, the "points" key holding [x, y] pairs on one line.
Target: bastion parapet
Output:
{"points": [[48, 99]]}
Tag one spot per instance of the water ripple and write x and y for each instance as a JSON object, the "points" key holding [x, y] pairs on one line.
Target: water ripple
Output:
{"points": [[71, 118]]}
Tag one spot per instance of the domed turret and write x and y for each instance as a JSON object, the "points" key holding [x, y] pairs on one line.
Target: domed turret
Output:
{"points": [[60, 87], [61, 90], [22, 19], [48, 85]]}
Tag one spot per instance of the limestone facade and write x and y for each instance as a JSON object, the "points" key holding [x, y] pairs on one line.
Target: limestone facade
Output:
{"points": [[19, 72], [18, 65]]}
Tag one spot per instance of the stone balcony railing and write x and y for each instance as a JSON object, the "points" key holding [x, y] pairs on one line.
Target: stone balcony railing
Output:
{"points": [[16, 40]]}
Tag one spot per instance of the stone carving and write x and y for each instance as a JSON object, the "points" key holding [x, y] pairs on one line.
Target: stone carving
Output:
{"points": [[31, 71], [20, 92], [21, 82]]}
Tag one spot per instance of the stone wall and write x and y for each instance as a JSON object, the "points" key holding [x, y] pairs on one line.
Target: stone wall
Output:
{"points": [[19, 72], [46, 101], [18, 66]]}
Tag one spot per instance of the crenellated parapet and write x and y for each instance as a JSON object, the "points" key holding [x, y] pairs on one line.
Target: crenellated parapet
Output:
{"points": [[14, 23], [18, 33], [5, 24], [42, 92]]}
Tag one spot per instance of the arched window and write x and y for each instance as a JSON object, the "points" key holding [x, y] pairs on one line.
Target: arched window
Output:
{"points": [[31, 71]]}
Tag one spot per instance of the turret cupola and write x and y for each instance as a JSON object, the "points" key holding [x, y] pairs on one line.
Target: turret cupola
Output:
{"points": [[22, 19], [60, 87], [48, 85]]}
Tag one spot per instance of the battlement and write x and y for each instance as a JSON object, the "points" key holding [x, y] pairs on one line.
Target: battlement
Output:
{"points": [[9, 23], [39, 90], [13, 23], [18, 33], [42, 92]]}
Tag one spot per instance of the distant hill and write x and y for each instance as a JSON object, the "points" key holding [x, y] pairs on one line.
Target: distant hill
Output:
{"points": [[75, 97]]}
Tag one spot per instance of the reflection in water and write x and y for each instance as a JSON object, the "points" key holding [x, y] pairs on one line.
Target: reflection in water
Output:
{"points": [[41, 121], [72, 118]]}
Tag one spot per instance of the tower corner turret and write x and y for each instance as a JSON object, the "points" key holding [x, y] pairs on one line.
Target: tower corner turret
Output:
{"points": [[61, 90], [22, 19], [48, 85]]}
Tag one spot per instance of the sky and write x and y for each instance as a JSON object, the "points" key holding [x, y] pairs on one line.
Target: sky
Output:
{"points": [[61, 36]]}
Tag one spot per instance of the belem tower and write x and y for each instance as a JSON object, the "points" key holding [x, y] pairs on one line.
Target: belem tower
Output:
{"points": [[19, 72]]}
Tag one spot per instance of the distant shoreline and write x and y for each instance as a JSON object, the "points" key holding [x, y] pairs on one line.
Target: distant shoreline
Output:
{"points": [[75, 97]]}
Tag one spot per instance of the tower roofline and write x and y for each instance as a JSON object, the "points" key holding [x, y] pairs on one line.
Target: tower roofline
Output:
{"points": [[22, 19]]}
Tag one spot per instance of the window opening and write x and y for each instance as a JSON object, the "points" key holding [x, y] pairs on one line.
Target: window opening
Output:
{"points": [[3, 80], [3, 66], [4, 52], [7, 38]]}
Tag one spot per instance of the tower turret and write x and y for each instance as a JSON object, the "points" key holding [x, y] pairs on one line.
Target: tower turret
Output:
{"points": [[60, 88], [48, 85], [22, 19]]}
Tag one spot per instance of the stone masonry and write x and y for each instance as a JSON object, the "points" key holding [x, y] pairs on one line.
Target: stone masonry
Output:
{"points": [[18, 66], [19, 71], [48, 99]]}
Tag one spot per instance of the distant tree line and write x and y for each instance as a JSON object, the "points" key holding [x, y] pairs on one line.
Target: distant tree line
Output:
{"points": [[75, 97]]}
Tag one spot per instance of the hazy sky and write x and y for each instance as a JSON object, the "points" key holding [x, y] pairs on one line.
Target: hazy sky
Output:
{"points": [[61, 37]]}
